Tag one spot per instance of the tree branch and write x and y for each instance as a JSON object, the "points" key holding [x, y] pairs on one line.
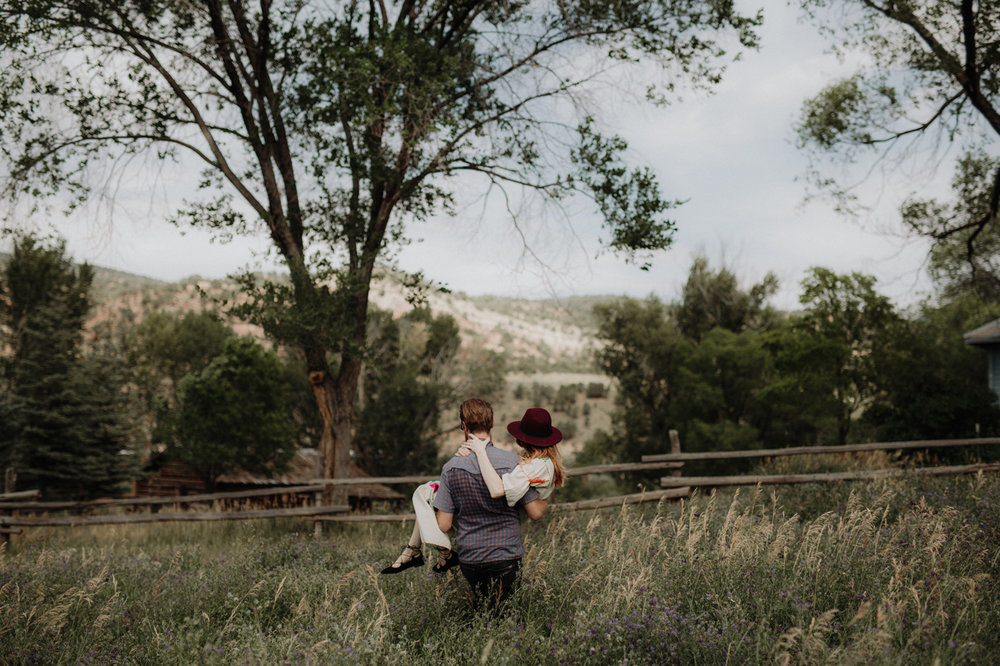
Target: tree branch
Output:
{"points": [[102, 138], [966, 75], [969, 37], [922, 127], [149, 57], [130, 33], [274, 216]]}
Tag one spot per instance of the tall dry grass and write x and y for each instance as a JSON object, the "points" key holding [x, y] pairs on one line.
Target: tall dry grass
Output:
{"points": [[895, 572]]}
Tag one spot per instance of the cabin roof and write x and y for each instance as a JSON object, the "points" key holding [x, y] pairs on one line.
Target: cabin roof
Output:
{"points": [[987, 334], [305, 466]]}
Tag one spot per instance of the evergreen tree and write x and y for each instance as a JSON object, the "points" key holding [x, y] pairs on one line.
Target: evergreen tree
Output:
{"points": [[63, 422]]}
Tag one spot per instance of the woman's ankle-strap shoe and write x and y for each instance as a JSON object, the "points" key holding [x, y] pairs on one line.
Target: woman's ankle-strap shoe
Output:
{"points": [[416, 561], [449, 562]]}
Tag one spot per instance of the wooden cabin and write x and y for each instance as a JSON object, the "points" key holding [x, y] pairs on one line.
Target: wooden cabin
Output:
{"points": [[305, 466], [175, 479], [987, 337]]}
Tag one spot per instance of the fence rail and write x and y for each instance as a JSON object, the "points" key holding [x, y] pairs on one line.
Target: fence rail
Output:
{"points": [[25, 501], [674, 486], [806, 450], [582, 505], [186, 516], [146, 501], [824, 477], [24, 494], [570, 471], [772, 479], [634, 498]]}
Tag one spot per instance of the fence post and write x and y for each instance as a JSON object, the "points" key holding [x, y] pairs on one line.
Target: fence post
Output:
{"points": [[318, 524], [675, 447], [9, 479]]}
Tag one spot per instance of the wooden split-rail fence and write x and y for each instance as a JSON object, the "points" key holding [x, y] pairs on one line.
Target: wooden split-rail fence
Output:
{"points": [[824, 477], [24, 509]]}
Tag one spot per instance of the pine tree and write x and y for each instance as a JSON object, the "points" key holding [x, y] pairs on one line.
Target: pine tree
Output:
{"points": [[63, 424]]}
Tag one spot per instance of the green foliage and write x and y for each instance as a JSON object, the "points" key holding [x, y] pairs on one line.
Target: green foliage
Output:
{"points": [[714, 299], [397, 428], [165, 346], [565, 398], [932, 383], [406, 386], [967, 258], [484, 375], [696, 367], [630, 201], [542, 394], [927, 78], [330, 125], [798, 399], [848, 368], [159, 351], [842, 114], [641, 354], [297, 394], [715, 404], [63, 427], [231, 414], [850, 321]]}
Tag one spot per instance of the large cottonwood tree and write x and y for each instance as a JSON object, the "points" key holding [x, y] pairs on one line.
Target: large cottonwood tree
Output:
{"points": [[928, 78], [330, 124]]}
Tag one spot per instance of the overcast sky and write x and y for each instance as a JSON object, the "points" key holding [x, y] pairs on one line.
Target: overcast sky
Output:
{"points": [[729, 154]]}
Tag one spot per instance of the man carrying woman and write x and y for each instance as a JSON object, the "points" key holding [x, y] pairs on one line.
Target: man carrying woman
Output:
{"points": [[484, 512]]}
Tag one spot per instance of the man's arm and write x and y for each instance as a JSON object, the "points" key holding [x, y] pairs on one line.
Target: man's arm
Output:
{"points": [[535, 510], [445, 519]]}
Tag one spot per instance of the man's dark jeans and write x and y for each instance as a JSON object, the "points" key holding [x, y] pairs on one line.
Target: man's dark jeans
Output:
{"points": [[491, 582]]}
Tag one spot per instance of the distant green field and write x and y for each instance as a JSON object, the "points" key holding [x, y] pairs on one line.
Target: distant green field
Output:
{"points": [[891, 572]]}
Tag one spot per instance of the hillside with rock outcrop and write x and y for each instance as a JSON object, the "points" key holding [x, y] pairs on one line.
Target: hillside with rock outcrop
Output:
{"points": [[533, 335]]}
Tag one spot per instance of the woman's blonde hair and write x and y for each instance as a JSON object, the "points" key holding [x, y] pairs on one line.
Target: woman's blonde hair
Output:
{"points": [[550, 452]]}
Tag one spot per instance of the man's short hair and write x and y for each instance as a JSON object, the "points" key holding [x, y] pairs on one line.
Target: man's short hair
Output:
{"points": [[477, 415]]}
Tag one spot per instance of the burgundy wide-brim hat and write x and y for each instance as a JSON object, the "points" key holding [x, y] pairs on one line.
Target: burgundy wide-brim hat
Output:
{"points": [[535, 428]]}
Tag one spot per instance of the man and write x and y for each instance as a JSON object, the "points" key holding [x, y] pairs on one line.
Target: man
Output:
{"points": [[487, 531]]}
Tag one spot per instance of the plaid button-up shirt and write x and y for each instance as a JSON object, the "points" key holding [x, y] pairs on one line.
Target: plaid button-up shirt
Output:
{"points": [[486, 529]]}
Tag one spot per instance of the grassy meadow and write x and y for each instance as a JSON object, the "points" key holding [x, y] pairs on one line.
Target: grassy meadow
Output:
{"points": [[889, 572]]}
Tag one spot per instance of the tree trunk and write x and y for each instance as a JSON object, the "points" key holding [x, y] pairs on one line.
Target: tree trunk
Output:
{"points": [[335, 401], [342, 395]]}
